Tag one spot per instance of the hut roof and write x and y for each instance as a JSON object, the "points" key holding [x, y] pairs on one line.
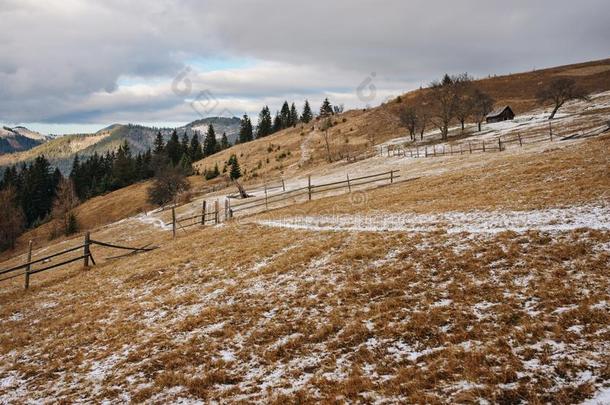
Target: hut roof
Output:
{"points": [[498, 111]]}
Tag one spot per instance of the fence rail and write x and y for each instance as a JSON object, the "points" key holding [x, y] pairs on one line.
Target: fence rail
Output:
{"points": [[26, 269], [496, 145]]}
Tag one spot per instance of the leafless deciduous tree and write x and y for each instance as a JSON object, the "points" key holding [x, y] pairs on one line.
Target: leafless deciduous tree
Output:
{"points": [[483, 104], [444, 101], [324, 127], [63, 207], [559, 91], [167, 185], [464, 93], [12, 220], [408, 118]]}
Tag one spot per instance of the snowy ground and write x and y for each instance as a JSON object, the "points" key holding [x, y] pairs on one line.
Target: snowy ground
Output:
{"points": [[550, 220]]}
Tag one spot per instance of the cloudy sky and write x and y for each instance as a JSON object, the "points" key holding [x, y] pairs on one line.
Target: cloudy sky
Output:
{"points": [[79, 65]]}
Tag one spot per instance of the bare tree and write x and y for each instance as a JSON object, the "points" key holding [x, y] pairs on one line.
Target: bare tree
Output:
{"points": [[63, 207], [444, 101], [464, 89], [559, 91], [167, 184], [483, 104], [338, 109], [324, 127], [408, 118], [12, 220]]}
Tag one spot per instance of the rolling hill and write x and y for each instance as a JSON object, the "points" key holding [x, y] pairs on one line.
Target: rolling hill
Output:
{"points": [[19, 139], [60, 151]]}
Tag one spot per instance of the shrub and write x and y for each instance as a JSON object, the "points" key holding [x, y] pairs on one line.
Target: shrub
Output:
{"points": [[167, 184]]}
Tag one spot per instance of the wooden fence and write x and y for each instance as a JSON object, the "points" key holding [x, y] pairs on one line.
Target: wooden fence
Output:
{"points": [[308, 192], [213, 214], [497, 145], [27, 269]]}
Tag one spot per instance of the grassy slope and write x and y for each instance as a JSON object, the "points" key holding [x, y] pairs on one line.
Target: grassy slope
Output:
{"points": [[362, 129], [251, 313]]}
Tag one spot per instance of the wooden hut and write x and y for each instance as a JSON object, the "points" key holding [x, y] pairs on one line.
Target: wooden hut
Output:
{"points": [[501, 114]]}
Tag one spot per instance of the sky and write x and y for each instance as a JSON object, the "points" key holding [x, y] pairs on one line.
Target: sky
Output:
{"points": [[71, 66]]}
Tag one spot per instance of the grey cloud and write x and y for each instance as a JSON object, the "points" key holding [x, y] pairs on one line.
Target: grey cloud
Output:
{"points": [[60, 56]]}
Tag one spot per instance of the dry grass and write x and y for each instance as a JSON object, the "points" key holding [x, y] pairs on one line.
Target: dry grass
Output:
{"points": [[289, 316], [557, 177]]}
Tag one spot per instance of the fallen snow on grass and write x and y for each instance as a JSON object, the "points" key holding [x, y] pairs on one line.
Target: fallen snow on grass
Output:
{"points": [[548, 220]]}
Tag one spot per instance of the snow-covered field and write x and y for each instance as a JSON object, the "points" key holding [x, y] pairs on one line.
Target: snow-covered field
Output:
{"points": [[549, 220]]}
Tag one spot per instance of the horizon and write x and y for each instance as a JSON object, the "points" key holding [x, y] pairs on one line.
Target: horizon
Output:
{"points": [[204, 63]]}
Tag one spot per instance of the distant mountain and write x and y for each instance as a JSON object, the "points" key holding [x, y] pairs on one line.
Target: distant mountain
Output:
{"points": [[19, 139], [230, 126], [60, 151]]}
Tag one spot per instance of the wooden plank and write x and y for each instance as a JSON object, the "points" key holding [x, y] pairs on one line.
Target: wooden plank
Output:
{"points": [[29, 266], [57, 265], [86, 252]]}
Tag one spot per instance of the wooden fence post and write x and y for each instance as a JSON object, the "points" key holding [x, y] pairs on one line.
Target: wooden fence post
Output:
{"points": [[227, 208], [28, 268], [550, 130], [434, 148], [426, 151], [391, 176], [174, 222], [309, 184], [203, 213], [483, 146], [283, 185], [266, 200], [216, 208], [520, 143], [349, 186], [87, 253], [499, 144], [470, 147]]}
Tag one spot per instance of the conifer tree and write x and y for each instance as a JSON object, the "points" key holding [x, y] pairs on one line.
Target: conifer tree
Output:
{"points": [[326, 109], [159, 145], [184, 144], [235, 172], [285, 115], [294, 116], [245, 130], [307, 115], [195, 152], [209, 144], [172, 149], [265, 124], [123, 167], [277, 122], [224, 142]]}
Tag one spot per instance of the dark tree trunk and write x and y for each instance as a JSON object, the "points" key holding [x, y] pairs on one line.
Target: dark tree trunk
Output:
{"points": [[557, 107]]}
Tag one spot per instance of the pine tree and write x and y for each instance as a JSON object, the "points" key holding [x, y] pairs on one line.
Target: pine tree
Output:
{"points": [[294, 116], [265, 125], [184, 145], [123, 167], [307, 115], [285, 115], [224, 142], [210, 144], [245, 130], [172, 149], [326, 109], [159, 145], [277, 122], [185, 165], [195, 151], [235, 172]]}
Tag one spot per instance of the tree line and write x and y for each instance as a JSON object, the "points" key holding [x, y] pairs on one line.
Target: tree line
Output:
{"points": [[459, 98], [286, 117]]}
